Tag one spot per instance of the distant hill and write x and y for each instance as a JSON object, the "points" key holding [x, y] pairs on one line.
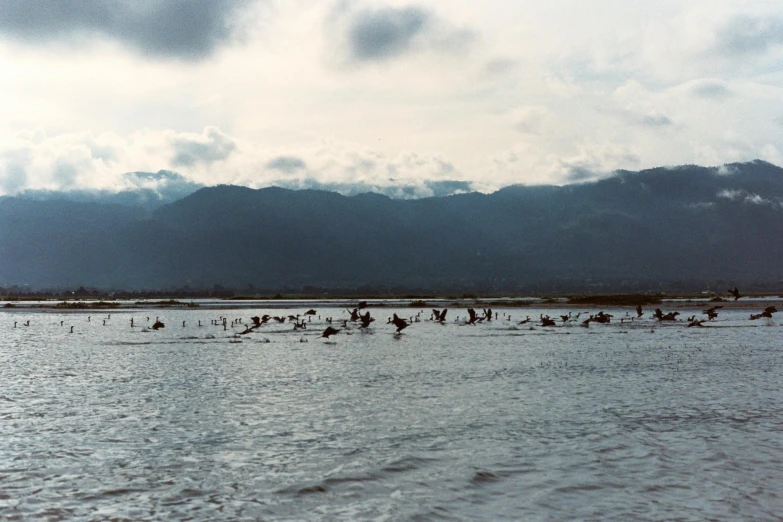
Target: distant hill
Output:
{"points": [[686, 226]]}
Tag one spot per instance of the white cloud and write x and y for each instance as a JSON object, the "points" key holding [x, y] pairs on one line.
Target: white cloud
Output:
{"points": [[403, 91]]}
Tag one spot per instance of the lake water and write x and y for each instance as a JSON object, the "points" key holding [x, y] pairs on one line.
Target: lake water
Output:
{"points": [[639, 421]]}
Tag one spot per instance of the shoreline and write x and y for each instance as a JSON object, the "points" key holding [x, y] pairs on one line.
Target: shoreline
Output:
{"points": [[548, 303]]}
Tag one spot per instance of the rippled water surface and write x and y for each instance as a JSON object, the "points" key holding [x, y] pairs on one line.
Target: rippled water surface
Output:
{"points": [[639, 421]]}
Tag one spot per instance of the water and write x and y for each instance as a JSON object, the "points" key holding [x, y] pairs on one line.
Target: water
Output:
{"points": [[638, 421]]}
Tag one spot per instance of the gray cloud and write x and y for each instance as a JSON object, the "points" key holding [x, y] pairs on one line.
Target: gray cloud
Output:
{"points": [[425, 189], [184, 29], [580, 175], [214, 146], [12, 178], [655, 120], [287, 164], [385, 33], [146, 189], [743, 35], [709, 89]]}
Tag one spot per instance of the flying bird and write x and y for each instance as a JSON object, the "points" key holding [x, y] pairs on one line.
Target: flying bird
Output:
{"points": [[439, 315], [365, 320], [735, 293], [329, 331], [401, 324]]}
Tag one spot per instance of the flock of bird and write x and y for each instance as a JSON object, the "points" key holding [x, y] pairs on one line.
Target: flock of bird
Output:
{"points": [[364, 319]]}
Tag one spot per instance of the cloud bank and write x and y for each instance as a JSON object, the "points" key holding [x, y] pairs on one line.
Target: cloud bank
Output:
{"points": [[184, 29]]}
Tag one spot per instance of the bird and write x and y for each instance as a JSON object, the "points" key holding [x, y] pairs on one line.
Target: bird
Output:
{"points": [[310, 312], [157, 325], [639, 312], [768, 311], [735, 293], [472, 314], [401, 324], [546, 321], [439, 315], [711, 312], [365, 320], [329, 331], [694, 322]]}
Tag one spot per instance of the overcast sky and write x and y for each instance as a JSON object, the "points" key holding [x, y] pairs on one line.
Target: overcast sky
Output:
{"points": [[326, 93]]}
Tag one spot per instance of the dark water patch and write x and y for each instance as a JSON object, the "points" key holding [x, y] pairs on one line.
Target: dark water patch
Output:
{"points": [[407, 464], [483, 477], [348, 479], [309, 490]]}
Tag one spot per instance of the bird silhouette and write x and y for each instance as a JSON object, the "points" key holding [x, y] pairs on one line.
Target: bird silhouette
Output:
{"points": [[439, 315], [329, 331], [365, 320], [711, 312], [735, 293], [401, 324]]}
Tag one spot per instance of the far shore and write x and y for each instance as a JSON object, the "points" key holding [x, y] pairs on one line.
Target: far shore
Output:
{"points": [[648, 302]]}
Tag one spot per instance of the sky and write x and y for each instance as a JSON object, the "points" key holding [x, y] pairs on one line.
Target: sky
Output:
{"points": [[407, 96]]}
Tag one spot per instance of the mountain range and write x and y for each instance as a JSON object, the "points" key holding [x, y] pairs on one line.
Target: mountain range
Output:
{"points": [[685, 227]]}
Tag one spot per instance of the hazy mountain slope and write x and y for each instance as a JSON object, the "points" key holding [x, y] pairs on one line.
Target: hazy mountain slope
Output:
{"points": [[633, 229]]}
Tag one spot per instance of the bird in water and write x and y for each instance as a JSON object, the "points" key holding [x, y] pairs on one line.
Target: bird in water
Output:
{"points": [[768, 311], [546, 321], [695, 322], [735, 293], [329, 331], [639, 312], [711, 312], [401, 324], [158, 325], [365, 320], [473, 317]]}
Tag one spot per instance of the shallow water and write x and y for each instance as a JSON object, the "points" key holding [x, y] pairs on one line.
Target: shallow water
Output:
{"points": [[640, 421]]}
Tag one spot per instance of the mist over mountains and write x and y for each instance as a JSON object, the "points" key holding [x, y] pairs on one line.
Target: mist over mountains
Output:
{"points": [[685, 227]]}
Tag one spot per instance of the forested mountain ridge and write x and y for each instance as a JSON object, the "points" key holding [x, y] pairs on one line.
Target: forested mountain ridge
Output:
{"points": [[633, 230]]}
